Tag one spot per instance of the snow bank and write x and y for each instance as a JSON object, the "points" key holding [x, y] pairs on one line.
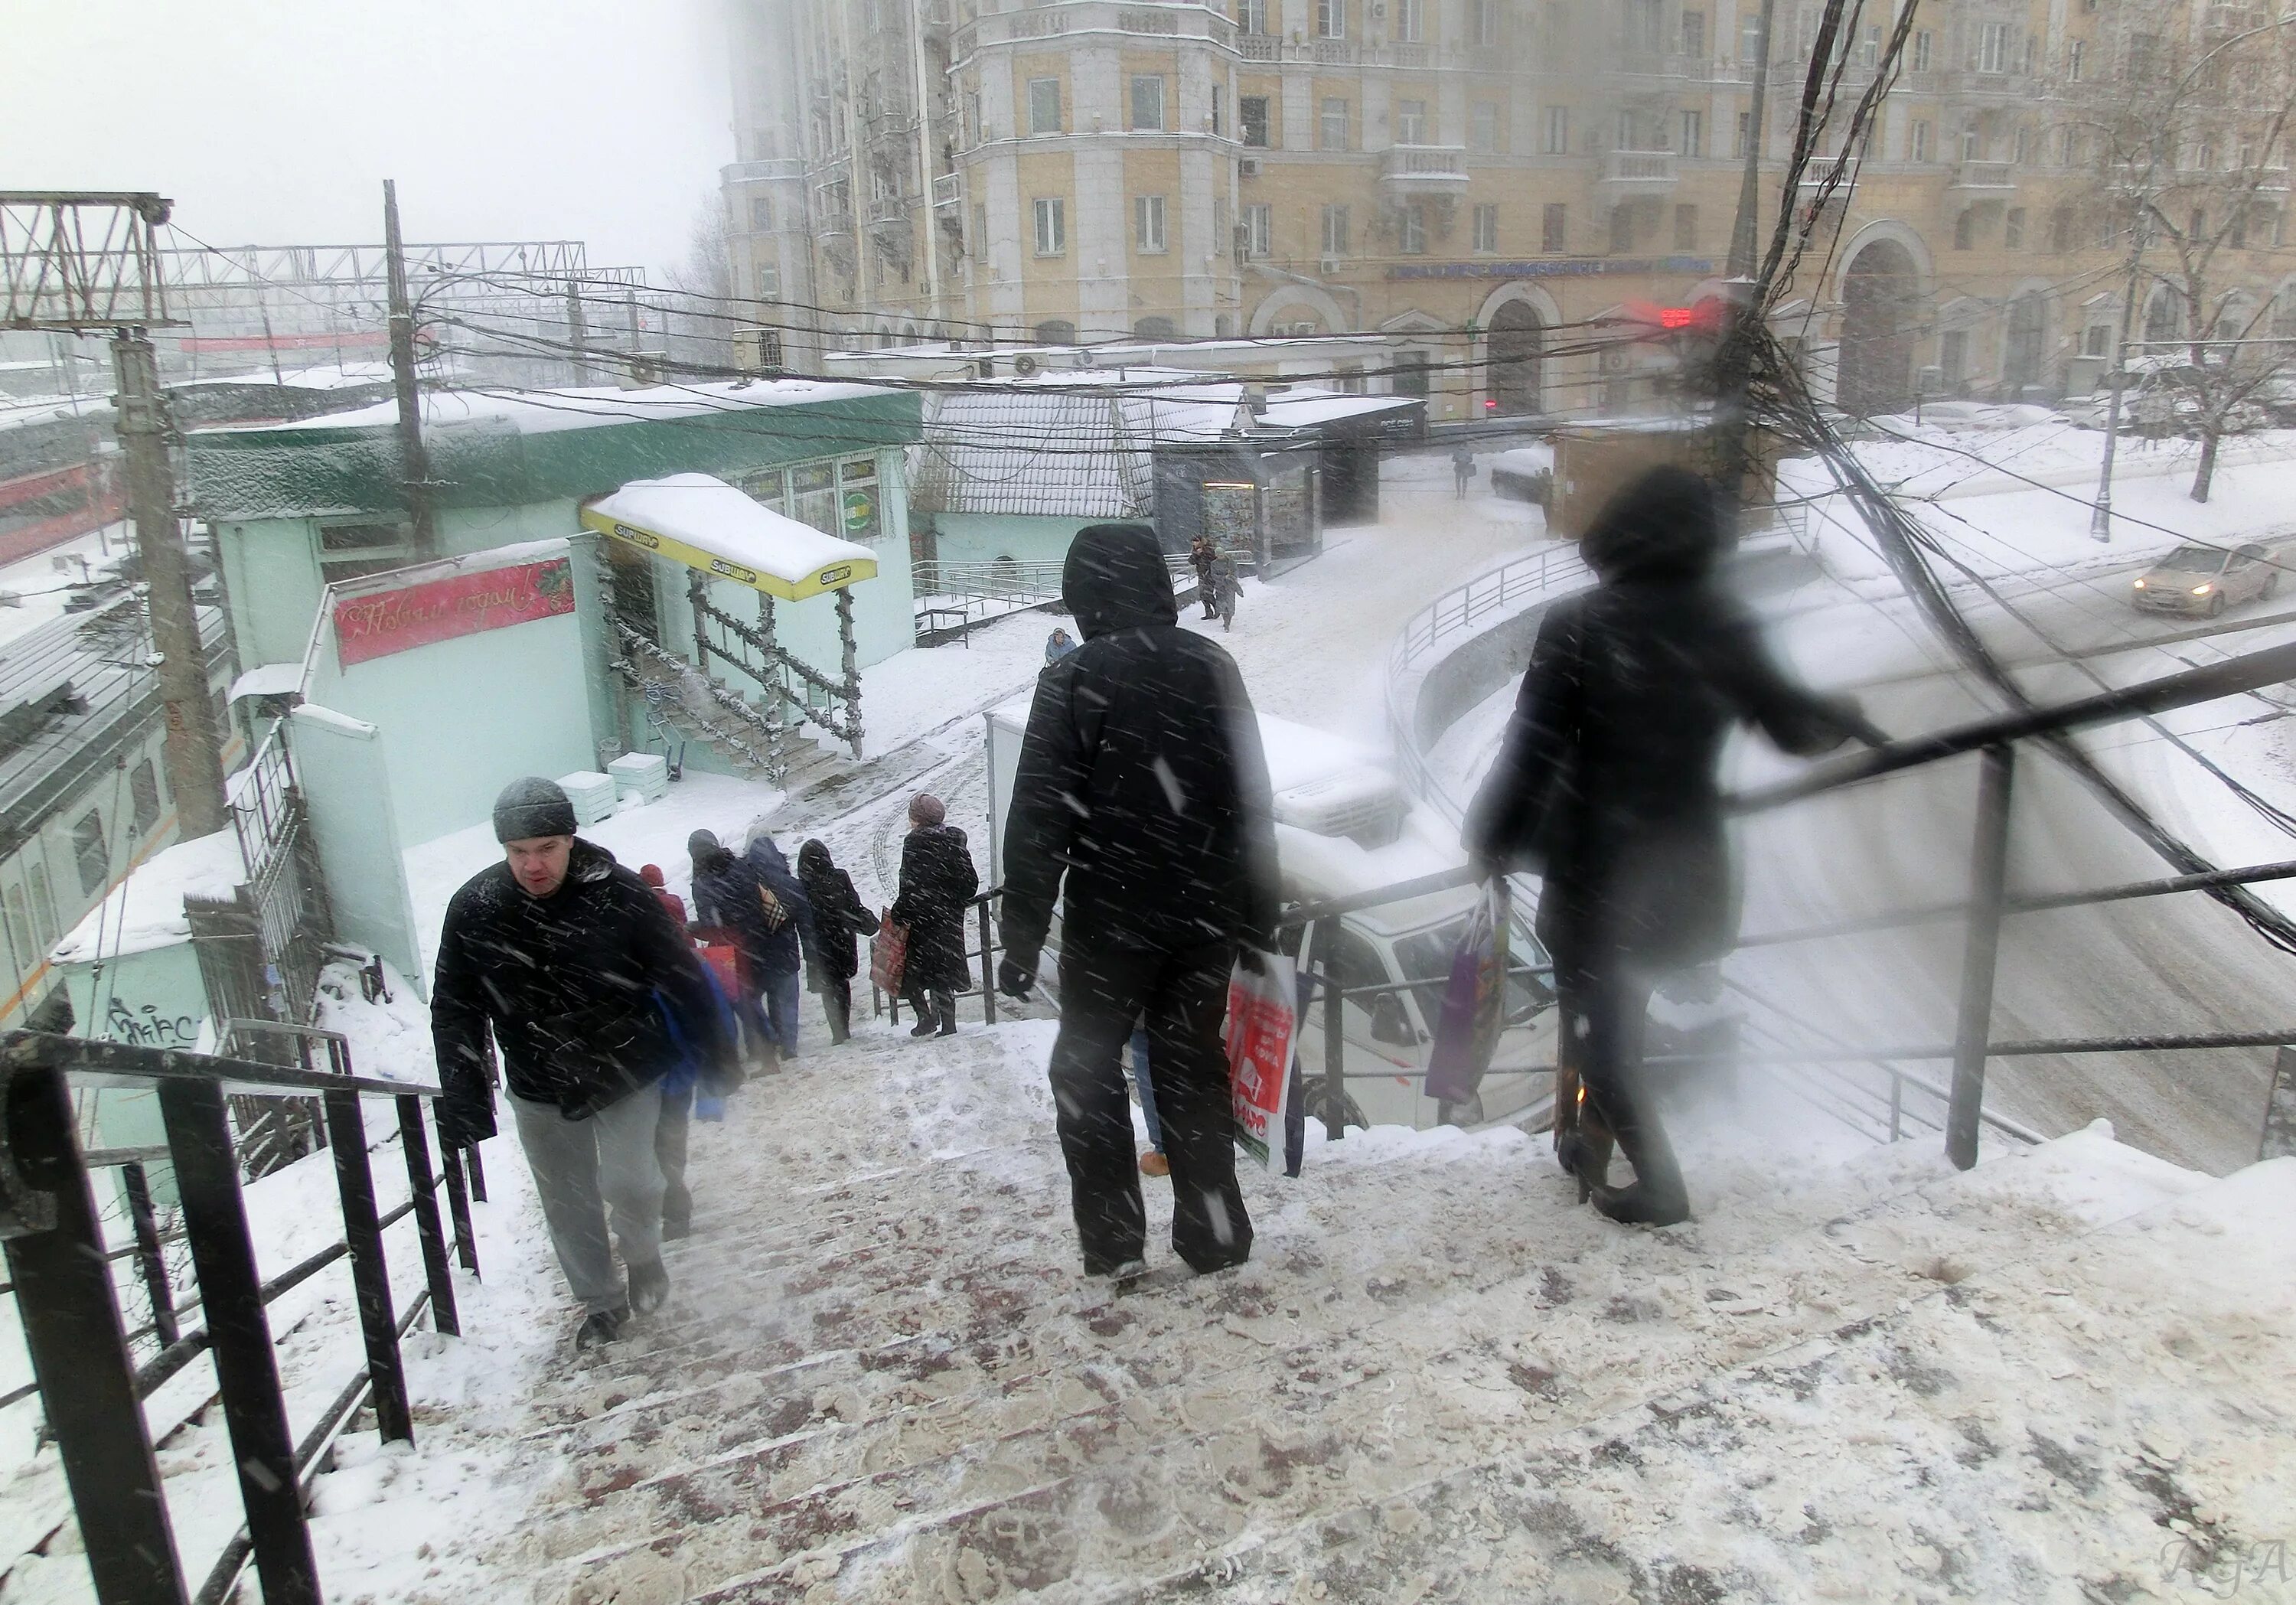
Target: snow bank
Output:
{"points": [[146, 910]]}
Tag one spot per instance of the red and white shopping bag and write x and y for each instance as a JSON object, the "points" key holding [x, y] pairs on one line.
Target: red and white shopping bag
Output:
{"points": [[1263, 1023]]}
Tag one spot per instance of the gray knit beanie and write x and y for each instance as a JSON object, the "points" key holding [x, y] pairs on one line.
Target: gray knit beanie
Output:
{"points": [[532, 807]]}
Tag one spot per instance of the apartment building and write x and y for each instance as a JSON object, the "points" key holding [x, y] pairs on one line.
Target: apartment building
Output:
{"points": [[1468, 178]]}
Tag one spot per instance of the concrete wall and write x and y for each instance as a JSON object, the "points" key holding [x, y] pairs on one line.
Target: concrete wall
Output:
{"points": [[347, 787]]}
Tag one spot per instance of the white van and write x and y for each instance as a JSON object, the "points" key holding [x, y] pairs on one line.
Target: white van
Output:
{"points": [[1345, 826]]}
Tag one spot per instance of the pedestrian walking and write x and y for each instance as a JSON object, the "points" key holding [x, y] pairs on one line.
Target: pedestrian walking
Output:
{"points": [[1463, 469], [1058, 645], [938, 882], [781, 972], [1605, 785], [568, 959], [839, 922], [674, 904], [1227, 586], [1202, 555], [669, 1139], [729, 898], [1141, 806]]}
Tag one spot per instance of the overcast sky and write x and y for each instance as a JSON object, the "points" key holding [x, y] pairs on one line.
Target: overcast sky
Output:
{"points": [[274, 122]]}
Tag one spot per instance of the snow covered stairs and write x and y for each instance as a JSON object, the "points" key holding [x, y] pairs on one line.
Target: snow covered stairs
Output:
{"points": [[880, 1379]]}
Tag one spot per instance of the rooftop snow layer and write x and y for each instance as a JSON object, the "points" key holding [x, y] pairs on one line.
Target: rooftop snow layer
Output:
{"points": [[146, 910], [547, 411], [718, 518], [1287, 412]]}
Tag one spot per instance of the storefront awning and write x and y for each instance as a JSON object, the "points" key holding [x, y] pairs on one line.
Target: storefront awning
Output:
{"points": [[707, 524]]}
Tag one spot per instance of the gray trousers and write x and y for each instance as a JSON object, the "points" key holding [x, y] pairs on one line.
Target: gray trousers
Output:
{"points": [[584, 1168]]}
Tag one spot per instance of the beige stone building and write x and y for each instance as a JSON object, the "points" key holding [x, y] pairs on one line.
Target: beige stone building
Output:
{"points": [[1472, 180]]}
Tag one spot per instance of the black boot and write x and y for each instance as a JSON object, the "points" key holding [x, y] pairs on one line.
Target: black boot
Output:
{"points": [[1656, 1197], [649, 1286], [601, 1327]]}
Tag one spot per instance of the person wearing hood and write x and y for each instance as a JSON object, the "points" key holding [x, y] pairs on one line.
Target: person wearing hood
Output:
{"points": [[938, 883], [1606, 785], [570, 960], [726, 896], [839, 922], [781, 965], [1141, 806]]}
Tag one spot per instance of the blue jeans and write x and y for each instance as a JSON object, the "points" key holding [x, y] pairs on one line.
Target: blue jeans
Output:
{"points": [[782, 995], [1147, 1088]]}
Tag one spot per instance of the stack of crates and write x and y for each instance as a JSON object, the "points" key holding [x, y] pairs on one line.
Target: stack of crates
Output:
{"points": [[591, 793], [644, 775]]}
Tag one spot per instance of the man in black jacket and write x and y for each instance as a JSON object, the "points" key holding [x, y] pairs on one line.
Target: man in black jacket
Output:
{"points": [[1142, 783], [589, 988]]}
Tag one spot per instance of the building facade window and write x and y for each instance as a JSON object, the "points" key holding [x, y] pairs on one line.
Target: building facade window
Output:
{"points": [[1410, 20], [1922, 46], [348, 550], [761, 214], [1693, 134], [1223, 236], [1750, 35], [90, 853], [1744, 136], [1259, 229], [1645, 27], [1219, 110], [1487, 230], [1415, 231], [1964, 229], [1483, 19], [1332, 123], [1251, 115], [1483, 126], [2060, 229], [1411, 122], [1552, 234], [1335, 231], [769, 280], [1622, 230], [143, 791], [1148, 224], [2013, 229], [1557, 142], [1993, 47], [2077, 60], [1148, 102], [1052, 225], [1869, 48], [1331, 18], [1686, 228], [1056, 332], [1918, 140], [1044, 105], [1694, 33], [1251, 16]]}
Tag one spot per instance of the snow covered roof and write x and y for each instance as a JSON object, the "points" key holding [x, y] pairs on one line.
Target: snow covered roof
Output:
{"points": [[707, 524], [547, 412], [1301, 412], [326, 376], [1043, 446], [269, 680], [146, 910]]}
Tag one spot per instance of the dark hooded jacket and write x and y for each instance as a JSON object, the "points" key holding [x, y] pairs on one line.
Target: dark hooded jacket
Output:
{"points": [[938, 883], [725, 896], [1606, 779], [784, 951], [577, 988], [839, 919], [1142, 783]]}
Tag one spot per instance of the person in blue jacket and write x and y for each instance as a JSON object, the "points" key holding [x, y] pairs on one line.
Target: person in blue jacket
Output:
{"points": [[782, 967]]}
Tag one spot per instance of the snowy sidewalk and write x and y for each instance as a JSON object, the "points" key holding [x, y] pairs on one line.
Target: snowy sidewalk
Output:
{"points": [[880, 1378]]}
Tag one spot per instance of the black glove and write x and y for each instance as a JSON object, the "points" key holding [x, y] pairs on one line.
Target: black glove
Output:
{"points": [[465, 1122], [1015, 978], [1251, 958]]}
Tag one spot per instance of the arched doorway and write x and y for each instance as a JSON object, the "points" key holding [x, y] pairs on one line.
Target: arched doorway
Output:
{"points": [[2022, 349], [1518, 342], [1878, 318]]}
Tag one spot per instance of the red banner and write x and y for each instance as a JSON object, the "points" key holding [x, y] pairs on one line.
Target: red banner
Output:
{"points": [[377, 625]]}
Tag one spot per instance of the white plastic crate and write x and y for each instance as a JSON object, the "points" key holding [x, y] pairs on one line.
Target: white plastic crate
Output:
{"points": [[644, 775], [591, 793]]}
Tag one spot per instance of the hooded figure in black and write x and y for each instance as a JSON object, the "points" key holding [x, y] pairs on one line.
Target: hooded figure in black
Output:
{"points": [[1141, 803], [1606, 785], [839, 922], [938, 884]]}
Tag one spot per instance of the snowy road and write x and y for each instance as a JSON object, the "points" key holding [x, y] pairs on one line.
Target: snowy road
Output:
{"points": [[2173, 964]]}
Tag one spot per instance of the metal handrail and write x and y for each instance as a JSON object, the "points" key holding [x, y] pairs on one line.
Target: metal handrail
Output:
{"points": [[90, 1387]]}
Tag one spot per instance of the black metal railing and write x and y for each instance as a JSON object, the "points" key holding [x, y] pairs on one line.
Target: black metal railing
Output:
{"points": [[1995, 740], [87, 1374]]}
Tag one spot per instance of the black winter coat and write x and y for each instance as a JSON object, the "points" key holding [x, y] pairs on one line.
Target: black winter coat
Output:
{"points": [[1141, 782], [726, 894], [785, 950], [937, 881], [839, 919], [573, 985], [1606, 780]]}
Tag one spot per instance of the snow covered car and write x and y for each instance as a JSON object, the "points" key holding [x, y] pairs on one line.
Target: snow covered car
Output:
{"points": [[2205, 580]]}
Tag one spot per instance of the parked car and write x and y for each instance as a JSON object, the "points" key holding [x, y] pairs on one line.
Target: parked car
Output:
{"points": [[2206, 580]]}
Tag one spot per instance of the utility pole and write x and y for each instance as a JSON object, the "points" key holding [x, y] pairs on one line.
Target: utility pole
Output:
{"points": [[575, 335], [193, 751], [414, 461], [2100, 522], [630, 300]]}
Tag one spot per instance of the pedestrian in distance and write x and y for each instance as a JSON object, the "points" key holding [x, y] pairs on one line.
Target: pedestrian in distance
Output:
{"points": [[792, 918], [839, 923], [650, 873], [1058, 645], [938, 883], [1202, 555], [1463, 469], [669, 1140], [1227, 586], [1606, 785], [729, 898], [1141, 806], [568, 960]]}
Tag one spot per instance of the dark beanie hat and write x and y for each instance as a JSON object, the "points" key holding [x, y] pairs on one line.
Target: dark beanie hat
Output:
{"points": [[701, 844], [532, 807]]}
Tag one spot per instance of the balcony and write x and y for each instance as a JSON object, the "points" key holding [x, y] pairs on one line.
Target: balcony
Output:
{"points": [[1637, 171], [1260, 47], [1423, 170], [1829, 170], [1985, 180], [945, 192], [761, 172]]}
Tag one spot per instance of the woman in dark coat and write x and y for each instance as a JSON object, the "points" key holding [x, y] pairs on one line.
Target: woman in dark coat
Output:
{"points": [[725, 896], [1606, 785], [937, 881], [839, 921]]}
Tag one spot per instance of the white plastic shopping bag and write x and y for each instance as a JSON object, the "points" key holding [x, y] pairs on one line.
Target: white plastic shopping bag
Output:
{"points": [[1262, 1026]]}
